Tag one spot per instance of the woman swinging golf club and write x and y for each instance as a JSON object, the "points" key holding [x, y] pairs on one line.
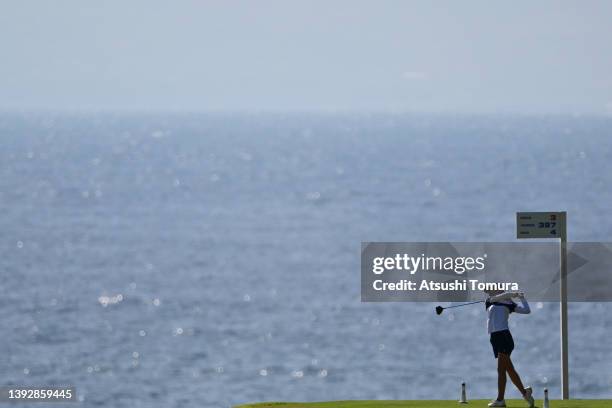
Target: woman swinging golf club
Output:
{"points": [[499, 305]]}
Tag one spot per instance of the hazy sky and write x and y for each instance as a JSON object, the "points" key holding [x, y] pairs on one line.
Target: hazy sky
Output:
{"points": [[458, 56]]}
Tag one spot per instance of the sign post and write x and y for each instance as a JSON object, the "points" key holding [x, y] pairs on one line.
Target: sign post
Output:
{"points": [[551, 225]]}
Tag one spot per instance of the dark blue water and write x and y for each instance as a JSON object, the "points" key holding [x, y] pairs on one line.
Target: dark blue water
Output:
{"points": [[211, 260]]}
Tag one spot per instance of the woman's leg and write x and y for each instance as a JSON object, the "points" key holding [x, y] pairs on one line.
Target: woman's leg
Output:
{"points": [[516, 379], [501, 375]]}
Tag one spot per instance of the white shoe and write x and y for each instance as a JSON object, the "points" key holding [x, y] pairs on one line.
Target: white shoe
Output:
{"points": [[529, 397], [496, 403]]}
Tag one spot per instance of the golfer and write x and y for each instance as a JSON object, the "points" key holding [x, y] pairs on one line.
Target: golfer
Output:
{"points": [[499, 306]]}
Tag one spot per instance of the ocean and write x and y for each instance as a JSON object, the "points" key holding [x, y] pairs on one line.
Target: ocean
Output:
{"points": [[207, 260]]}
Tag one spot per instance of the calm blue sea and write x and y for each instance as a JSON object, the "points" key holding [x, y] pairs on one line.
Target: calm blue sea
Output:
{"points": [[211, 260]]}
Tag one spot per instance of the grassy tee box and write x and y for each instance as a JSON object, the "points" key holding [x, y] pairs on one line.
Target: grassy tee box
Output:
{"points": [[427, 404]]}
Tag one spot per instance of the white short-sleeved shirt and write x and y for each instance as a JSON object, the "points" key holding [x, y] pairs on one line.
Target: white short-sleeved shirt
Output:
{"points": [[497, 315]]}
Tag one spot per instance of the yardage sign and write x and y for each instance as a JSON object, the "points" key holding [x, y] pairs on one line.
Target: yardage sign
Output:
{"points": [[551, 225], [540, 224]]}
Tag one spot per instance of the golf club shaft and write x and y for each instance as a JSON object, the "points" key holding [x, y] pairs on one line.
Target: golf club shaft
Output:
{"points": [[464, 304]]}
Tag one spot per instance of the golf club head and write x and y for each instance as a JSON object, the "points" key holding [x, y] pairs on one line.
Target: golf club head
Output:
{"points": [[439, 309]]}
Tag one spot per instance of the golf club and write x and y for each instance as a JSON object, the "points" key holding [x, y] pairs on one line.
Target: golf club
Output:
{"points": [[439, 309]]}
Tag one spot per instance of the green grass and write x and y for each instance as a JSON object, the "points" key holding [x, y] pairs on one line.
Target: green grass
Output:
{"points": [[426, 404]]}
